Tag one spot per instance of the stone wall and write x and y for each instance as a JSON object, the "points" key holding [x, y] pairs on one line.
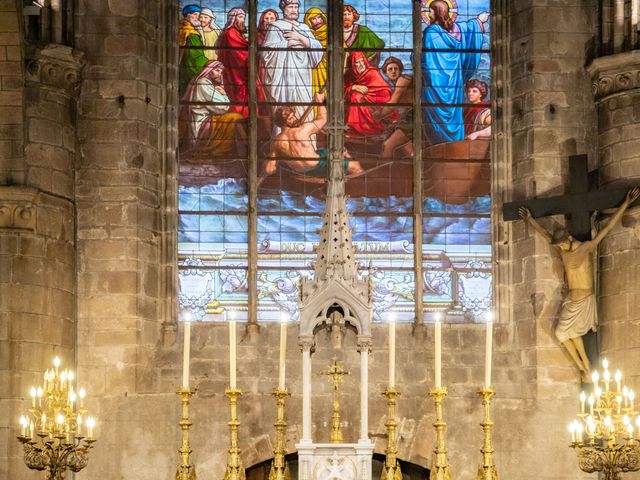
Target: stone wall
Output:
{"points": [[11, 94], [119, 194], [616, 86], [552, 117], [37, 231]]}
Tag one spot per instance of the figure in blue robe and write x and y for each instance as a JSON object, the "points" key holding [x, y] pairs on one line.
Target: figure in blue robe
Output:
{"points": [[447, 65]]}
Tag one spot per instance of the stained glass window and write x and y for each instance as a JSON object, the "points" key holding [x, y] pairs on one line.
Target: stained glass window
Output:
{"points": [[266, 87]]}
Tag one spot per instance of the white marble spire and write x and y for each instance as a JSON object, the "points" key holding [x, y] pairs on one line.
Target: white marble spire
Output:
{"points": [[335, 253], [335, 267]]}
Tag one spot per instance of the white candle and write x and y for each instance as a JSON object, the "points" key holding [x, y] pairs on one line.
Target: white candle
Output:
{"points": [[283, 351], [186, 352], [23, 426], [232, 354], [438, 350], [489, 348], [90, 424], [392, 353]]}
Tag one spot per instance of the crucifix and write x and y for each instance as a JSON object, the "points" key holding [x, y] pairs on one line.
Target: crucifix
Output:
{"points": [[578, 314], [335, 374], [578, 204]]}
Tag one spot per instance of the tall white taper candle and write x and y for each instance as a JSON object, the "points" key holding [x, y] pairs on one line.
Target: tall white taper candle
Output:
{"points": [[392, 353], [488, 349], [186, 352], [232, 354], [438, 350], [283, 352]]}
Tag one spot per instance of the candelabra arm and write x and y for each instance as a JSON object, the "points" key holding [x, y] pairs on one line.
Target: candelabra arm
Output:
{"points": [[391, 468], [235, 469], [487, 469], [279, 466], [186, 470]]}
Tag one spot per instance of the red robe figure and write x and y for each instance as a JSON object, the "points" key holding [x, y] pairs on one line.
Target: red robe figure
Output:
{"points": [[365, 93], [233, 52]]}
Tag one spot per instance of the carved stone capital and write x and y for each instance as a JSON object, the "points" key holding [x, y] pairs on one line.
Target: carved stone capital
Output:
{"points": [[614, 74], [365, 344], [306, 343], [56, 66]]}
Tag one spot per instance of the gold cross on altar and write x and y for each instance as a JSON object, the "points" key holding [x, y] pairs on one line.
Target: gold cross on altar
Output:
{"points": [[335, 374]]}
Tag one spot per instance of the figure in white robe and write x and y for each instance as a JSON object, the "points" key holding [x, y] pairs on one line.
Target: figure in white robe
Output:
{"points": [[288, 68]]}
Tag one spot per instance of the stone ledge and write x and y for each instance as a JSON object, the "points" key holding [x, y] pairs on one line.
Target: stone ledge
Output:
{"points": [[27, 209], [57, 66], [615, 73]]}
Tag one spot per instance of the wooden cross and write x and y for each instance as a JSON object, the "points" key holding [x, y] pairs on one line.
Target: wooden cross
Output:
{"points": [[578, 204]]}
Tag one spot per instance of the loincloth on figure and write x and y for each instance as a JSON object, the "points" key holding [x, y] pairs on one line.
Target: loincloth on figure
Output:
{"points": [[577, 317]]}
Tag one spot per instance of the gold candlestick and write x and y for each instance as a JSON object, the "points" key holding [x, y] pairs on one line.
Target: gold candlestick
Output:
{"points": [[279, 466], [185, 471], [391, 468], [235, 470], [487, 470], [335, 374], [440, 466]]}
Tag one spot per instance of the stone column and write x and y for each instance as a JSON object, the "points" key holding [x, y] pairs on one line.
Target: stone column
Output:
{"points": [[364, 347], [306, 391], [616, 87], [37, 260]]}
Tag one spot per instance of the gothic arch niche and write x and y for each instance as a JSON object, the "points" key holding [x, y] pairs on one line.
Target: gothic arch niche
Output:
{"points": [[421, 216]]}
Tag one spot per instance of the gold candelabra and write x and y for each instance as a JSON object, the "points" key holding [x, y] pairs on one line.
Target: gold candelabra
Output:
{"points": [[279, 466], [391, 468], [610, 446], [54, 434], [185, 471], [335, 374], [487, 470], [440, 465], [235, 470]]}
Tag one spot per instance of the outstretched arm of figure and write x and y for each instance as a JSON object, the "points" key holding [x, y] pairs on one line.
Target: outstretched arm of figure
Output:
{"points": [[632, 196], [525, 214], [318, 123]]}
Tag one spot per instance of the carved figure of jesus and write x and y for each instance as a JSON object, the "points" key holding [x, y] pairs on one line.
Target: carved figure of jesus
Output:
{"points": [[579, 313]]}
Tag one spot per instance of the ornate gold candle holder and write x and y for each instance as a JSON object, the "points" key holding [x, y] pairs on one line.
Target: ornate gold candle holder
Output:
{"points": [[487, 470], [279, 467], [440, 466], [603, 435], [56, 434], [391, 468], [235, 470], [185, 471]]}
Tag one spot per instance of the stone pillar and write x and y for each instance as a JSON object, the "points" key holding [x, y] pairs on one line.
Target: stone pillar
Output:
{"points": [[306, 392], [616, 87], [11, 96], [364, 347], [37, 259], [545, 93]]}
